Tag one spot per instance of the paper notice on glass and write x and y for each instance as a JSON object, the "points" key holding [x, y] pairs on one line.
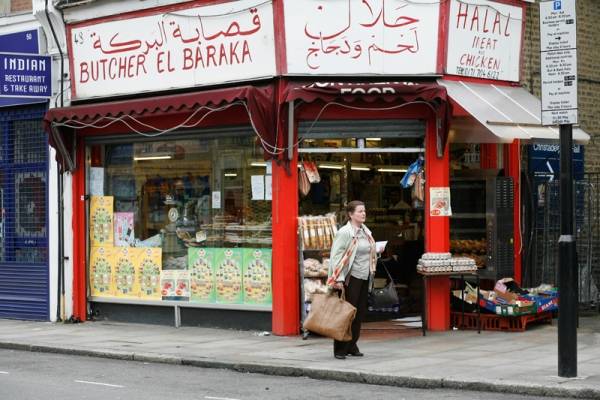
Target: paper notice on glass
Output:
{"points": [[216, 199], [268, 187], [380, 246], [96, 181], [258, 187], [439, 202]]}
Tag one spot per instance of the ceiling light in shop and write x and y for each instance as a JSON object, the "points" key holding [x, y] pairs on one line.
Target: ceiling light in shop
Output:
{"points": [[231, 174], [258, 164], [374, 139], [397, 170], [360, 167], [330, 166], [154, 157]]}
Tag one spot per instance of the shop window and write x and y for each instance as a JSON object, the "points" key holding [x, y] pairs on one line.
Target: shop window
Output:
{"points": [[181, 220]]}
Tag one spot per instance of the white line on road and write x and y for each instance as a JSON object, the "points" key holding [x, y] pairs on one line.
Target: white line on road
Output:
{"points": [[100, 384], [4, 372], [219, 398]]}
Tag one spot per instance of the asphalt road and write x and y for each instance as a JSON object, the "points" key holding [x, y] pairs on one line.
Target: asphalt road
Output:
{"points": [[32, 376]]}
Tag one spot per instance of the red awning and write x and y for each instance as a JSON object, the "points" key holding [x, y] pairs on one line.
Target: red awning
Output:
{"points": [[399, 93], [259, 102]]}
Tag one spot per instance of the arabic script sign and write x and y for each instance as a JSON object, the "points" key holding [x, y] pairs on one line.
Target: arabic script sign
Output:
{"points": [[183, 48], [370, 37], [484, 40]]}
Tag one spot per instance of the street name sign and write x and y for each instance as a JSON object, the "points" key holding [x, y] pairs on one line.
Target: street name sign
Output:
{"points": [[558, 45]]}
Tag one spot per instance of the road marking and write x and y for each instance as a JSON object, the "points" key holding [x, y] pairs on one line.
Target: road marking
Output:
{"points": [[100, 384], [219, 398], [4, 372]]}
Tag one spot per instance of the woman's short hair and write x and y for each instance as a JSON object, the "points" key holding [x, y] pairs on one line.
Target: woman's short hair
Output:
{"points": [[351, 207]]}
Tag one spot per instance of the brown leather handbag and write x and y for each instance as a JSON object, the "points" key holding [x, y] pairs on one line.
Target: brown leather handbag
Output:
{"points": [[331, 316]]}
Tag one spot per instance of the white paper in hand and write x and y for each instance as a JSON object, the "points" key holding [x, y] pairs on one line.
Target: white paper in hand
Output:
{"points": [[380, 246]]}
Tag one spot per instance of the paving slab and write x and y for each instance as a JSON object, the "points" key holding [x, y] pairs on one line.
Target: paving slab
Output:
{"points": [[519, 363]]}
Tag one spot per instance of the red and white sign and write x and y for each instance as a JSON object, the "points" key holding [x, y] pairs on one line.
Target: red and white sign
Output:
{"points": [[191, 47], [370, 37], [484, 40]]}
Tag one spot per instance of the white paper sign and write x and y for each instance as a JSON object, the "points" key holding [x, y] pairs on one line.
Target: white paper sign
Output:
{"points": [[96, 181], [216, 199], [233, 41], [258, 187], [484, 40], [361, 37], [268, 187], [439, 202]]}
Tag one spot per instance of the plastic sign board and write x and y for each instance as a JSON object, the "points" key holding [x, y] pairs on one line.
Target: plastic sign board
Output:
{"points": [[559, 62], [484, 40], [202, 45], [24, 75], [348, 37]]}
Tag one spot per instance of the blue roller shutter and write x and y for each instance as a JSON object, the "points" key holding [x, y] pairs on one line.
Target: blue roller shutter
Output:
{"points": [[24, 282]]}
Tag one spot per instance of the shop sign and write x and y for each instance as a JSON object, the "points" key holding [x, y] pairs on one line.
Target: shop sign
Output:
{"points": [[23, 75], [370, 37], [484, 40], [197, 46]]}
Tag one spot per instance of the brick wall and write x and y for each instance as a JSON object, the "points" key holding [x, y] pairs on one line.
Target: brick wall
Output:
{"points": [[588, 54], [17, 6]]}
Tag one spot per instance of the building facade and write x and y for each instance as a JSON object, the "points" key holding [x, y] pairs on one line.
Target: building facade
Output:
{"points": [[188, 120]]}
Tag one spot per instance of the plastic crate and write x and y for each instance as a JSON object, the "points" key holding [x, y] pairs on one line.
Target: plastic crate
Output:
{"points": [[492, 322]]}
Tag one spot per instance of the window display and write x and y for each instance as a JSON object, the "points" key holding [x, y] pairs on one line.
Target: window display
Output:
{"points": [[184, 220]]}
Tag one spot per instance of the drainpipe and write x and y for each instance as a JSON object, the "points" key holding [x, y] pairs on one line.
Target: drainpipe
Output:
{"points": [[61, 236]]}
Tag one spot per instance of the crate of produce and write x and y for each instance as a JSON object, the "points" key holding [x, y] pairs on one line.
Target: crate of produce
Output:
{"points": [[492, 322]]}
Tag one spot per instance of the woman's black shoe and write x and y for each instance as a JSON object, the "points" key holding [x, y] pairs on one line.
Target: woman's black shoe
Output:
{"points": [[340, 356], [356, 354]]}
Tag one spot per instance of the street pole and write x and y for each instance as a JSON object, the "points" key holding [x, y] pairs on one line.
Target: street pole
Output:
{"points": [[567, 271]]}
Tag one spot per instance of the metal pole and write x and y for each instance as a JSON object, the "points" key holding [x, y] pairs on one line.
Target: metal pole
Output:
{"points": [[567, 269]]}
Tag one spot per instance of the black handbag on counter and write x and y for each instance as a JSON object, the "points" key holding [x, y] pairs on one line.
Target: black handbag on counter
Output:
{"points": [[385, 297]]}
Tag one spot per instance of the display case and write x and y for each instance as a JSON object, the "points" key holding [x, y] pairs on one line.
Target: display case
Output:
{"points": [[481, 225]]}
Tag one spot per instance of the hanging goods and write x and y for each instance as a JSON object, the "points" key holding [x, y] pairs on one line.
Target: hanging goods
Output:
{"points": [[385, 297], [303, 182], [411, 173], [310, 167], [331, 316]]}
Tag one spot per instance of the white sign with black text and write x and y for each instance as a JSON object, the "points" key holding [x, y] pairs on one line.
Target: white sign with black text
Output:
{"points": [[559, 62]]}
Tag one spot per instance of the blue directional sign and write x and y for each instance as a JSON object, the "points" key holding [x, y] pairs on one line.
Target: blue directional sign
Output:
{"points": [[23, 75]]}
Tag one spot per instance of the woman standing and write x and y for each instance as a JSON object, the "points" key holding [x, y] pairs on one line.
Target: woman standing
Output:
{"points": [[353, 259]]}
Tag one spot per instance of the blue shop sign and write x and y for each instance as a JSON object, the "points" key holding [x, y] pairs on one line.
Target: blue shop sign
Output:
{"points": [[23, 75], [544, 161], [20, 42]]}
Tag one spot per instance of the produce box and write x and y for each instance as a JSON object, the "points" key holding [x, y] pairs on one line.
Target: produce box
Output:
{"points": [[510, 309]]}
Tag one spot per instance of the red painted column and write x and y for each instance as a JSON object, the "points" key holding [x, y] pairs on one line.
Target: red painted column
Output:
{"points": [[79, 245], [285, 279], [488, 156], [513, 169], [437, 232]]}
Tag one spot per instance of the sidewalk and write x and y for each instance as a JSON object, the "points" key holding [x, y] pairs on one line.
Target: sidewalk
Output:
{"points": [[520, 363]]}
